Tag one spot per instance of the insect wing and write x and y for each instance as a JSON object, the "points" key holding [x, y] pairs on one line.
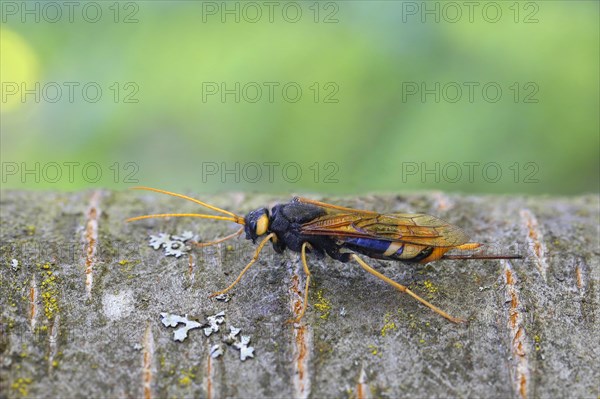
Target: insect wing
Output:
{"points": [[419, 229], [330, 208]]}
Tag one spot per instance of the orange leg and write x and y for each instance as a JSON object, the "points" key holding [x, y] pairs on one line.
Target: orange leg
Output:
{"points": [[406, 290], [254, 259], [209, 243]]}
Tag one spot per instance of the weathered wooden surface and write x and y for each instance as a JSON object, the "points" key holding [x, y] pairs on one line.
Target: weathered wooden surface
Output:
{"points": [[80, 312]]}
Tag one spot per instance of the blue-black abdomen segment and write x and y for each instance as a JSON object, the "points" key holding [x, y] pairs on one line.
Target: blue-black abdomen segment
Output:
{"points": [[370, 243], [375, 248]]}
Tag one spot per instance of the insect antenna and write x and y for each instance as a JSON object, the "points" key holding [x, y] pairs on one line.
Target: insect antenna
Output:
{"points": [[191, 215], [232, 216]]}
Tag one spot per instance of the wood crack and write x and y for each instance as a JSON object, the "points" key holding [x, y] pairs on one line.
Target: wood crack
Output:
{"points": [[33, 298], [518, 336], [147, 362], [581, 276], [535, 241], [302, 335], [209, 378], [91, 240], [362, 388]]}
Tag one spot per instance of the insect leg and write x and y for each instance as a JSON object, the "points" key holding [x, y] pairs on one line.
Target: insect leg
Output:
{"points": [[209, 243], [307, 272], [405, 289], [254, 259]]}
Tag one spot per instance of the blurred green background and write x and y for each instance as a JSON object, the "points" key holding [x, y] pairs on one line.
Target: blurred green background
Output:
{"points": [[370, 116]]}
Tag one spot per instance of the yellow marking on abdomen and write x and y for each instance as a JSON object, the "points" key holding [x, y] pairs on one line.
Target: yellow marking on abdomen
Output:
{"points": [[393, 248]]}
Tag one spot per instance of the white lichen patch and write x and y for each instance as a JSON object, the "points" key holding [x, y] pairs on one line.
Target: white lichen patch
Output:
{"points": [[216, 351], [172, 320], [173, 245], [213, 323], [210, 326], [245, 350], [223, 297], [118, 306], [231, 338]]}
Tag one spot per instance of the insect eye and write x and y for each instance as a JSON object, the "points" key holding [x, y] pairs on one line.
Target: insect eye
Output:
{"points": [[262, 224]]}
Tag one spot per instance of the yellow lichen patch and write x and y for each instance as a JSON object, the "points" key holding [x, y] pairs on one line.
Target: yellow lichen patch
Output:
{"points": [[49, 292], [128, 264], [50, 304], [23, 353], [458, 345], [537, 340], [187, 378], [185, 381], [432, 289], [20, 385], [388, 324], [323, 305], [374, 351]]}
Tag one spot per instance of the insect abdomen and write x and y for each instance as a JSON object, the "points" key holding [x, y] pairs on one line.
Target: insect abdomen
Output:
{"points": [[389, 250]]}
